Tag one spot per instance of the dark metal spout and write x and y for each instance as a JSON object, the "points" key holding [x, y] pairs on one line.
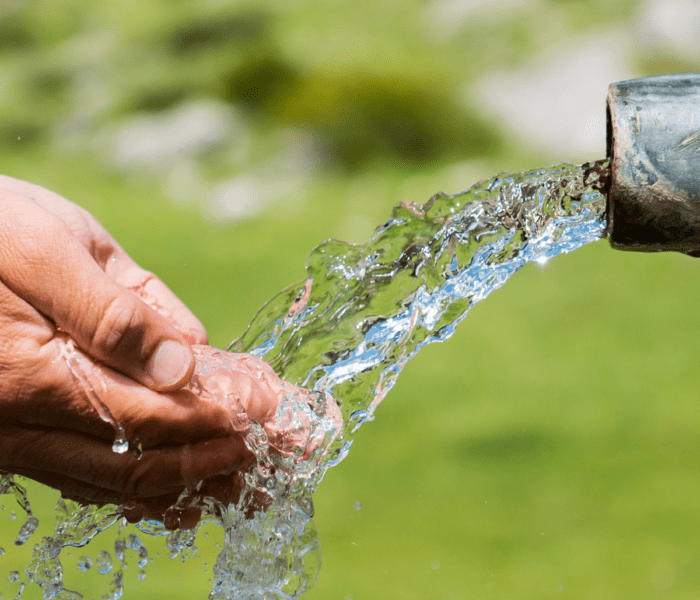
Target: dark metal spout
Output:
{"points": [[654, 148]]}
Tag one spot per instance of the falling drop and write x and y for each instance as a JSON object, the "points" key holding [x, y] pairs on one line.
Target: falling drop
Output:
{"points": [[26, 531], [104, 562], [85, 563], [120, 445], [137, 448]]}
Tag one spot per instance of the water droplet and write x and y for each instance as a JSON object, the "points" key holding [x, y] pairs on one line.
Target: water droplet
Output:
{"points": [[13, 515], [435, 565], [116, 588], [2, 551], [141, 575], [104, 562], [358, 505], [26, 531], [120, 445], [119, 549], [137, 448], [137, 546], [14, 576]]}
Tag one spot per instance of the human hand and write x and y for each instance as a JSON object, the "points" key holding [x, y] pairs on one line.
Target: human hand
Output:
{"points": [[63, 278], [295, 425]]}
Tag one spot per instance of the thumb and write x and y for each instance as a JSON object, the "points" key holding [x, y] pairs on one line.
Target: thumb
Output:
{"points": [[44, 264]]}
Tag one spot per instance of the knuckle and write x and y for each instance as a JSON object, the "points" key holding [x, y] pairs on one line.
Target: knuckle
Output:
{"points": [[136, 479], [101, 248], [120, 329]]}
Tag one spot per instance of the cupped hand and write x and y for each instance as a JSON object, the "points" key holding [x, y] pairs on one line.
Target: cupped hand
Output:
{"points": [[295, 425], [89, 340], [83, 326]]}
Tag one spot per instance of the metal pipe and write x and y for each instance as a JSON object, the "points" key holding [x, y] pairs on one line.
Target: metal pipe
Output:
{"points": [[654, 147]]}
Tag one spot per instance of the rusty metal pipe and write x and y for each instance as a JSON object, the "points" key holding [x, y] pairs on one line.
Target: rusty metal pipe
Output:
{"points": [[654, 148]]}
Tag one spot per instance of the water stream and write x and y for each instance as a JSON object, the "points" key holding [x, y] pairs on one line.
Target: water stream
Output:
{"points": [[347, 330]]}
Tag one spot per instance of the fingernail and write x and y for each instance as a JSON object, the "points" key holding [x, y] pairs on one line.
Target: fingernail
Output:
{"points": [[170, 364]]}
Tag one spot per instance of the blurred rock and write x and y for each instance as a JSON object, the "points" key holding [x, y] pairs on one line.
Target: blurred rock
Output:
{"points": [[557, 102], [91, 96], [183, 182], [671, 26], [189, 129], [239, 197], [445, 18], [281, 179]]}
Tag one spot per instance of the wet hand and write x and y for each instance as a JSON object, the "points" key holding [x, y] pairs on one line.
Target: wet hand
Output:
{"points": [[87, 331], [250, 391], [63, 278]]}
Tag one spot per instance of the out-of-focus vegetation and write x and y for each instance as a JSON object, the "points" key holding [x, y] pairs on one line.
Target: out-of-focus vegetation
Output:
{"points": [[72, 75], [550, 449]]}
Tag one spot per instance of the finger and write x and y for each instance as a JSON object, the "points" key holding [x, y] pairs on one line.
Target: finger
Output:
{"points": [[107, 321], [111, 257], [242, 381], [91, 398], [75, 464], [155, 294]]}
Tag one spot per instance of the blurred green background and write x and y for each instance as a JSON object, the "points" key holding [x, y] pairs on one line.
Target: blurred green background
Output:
{"points": [[550, 449]]}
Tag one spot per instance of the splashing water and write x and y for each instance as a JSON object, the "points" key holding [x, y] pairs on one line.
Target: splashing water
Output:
{"points": [[365, 310], [347, 330]]}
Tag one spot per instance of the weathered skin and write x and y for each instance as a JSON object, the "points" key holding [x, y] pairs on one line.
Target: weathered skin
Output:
{"points": [[77, 314]]}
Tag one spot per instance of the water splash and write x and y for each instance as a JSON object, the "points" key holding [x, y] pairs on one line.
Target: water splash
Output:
{"points": [[365, 310], [347, 330], [8, 485], [73, 361]]}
